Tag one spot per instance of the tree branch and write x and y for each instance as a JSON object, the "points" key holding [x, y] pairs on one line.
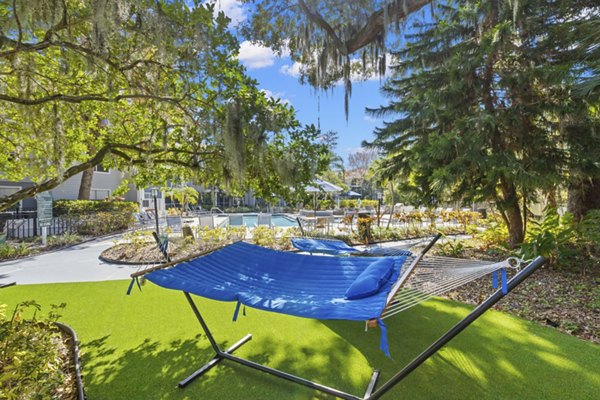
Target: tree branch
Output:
{"points": [[316, 18], [7, 201], [88, 97], [18, 21], [375, 24], [62, 24], [374, 27], [111, 148]]}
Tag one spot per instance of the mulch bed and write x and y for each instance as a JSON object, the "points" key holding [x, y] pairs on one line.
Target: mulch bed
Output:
{"points": [[68, 389], [126, 252], [148, 253], [569, 302]]}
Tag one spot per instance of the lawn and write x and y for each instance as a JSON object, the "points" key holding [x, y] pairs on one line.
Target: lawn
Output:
{"points": [[140, 346]]}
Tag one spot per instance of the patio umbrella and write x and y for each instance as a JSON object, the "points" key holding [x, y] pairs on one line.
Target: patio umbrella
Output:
{"points": [[351, 193], [319, 186]]}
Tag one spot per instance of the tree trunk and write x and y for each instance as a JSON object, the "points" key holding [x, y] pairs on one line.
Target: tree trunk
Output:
{"points": [[85, 187], [584, 196], [511, 209], [393, 205], [551, 198]]}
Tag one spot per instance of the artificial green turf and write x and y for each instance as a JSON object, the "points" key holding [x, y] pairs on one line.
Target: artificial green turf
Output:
{"points": [[140, 346]]}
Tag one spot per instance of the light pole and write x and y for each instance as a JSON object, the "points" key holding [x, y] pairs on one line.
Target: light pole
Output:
{"points": [[155, 193]]}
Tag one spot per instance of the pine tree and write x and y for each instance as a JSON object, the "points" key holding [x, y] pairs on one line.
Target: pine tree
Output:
{"points": [[478, 100]]}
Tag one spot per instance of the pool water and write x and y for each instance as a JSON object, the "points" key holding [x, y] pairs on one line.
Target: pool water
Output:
{"points": [[281, 221]]}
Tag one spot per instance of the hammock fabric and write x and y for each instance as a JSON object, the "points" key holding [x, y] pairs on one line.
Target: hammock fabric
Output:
{"points": [[283, 282], [338, 247]]}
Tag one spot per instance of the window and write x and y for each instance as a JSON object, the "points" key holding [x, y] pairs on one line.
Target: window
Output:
{"points": [[148, 194], [99, 194], [101, 168]]}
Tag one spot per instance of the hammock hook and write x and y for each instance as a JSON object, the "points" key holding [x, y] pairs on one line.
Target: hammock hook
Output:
{"points": [[515, 262], [518, 263]]}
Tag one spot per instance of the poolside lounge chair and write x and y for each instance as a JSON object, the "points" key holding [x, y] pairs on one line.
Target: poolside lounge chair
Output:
{"points": [[207, 221], [340, 248], [265, 219], [236, 220], [174, 222], [354, 288], [139, 219]]}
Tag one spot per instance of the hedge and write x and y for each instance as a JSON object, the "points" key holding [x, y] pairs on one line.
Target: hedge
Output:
{"points": [[97, 217], [347, 203], [84, 206]]}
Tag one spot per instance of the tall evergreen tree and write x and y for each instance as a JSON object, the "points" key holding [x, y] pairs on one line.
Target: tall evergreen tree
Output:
{"points": [[479, 98]]}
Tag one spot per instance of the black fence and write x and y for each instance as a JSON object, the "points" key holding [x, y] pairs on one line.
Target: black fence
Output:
{"points": [[24, 224]]}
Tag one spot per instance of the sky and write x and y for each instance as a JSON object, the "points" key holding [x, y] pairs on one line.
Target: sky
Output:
{"points": [[279, 77]]}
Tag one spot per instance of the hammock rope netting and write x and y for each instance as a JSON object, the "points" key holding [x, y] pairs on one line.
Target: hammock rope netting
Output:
{"points": [[435, 276]]}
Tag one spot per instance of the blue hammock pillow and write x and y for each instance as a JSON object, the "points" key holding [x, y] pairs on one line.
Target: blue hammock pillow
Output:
{"points": [[371, 280]]}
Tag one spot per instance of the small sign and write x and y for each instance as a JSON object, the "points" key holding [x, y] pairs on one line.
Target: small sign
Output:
{"points": [[44, 209]]}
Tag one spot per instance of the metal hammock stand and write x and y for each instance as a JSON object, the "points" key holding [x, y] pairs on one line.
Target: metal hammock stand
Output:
{"points": [[423, 279]]}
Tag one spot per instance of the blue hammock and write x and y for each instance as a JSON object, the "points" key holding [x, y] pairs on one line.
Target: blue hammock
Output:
{"points": [[283, 282], [307, 286], [338, 247]]}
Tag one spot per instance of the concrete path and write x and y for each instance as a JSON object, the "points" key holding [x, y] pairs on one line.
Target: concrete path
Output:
{"points": [[79, 263]]}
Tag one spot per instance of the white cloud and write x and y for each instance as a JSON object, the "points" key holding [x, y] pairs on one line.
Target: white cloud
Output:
{"points": [[256, 56], [233, 9], [276, 95], [292, 70]]}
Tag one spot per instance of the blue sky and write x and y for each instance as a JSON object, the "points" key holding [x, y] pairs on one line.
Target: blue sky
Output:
{"points": [[279, 82], [279, 78]]}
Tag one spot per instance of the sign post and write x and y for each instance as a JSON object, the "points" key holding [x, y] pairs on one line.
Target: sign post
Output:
{"points": [[44, 213]]}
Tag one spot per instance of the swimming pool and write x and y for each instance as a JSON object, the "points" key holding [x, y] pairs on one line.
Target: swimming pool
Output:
{"points": [[278, 220]]}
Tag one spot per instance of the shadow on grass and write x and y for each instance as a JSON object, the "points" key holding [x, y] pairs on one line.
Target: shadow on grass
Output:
{"points": [[152, 369], [496, 357]]}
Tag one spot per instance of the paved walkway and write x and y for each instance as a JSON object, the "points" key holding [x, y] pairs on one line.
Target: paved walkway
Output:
{"points": [[79, 263]]}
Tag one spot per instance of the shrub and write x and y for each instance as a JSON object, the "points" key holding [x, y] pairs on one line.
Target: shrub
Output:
{"points": [[95, 217], [588, 229], [210, 236], [364, 225], [285, 241], [264, 236], [172, 212], [466, 218], [347, 203], [8, 251], [550, 237], [495, 233], [103, 222], [83, 206], [369, 203], [235, 233], [63, 240], [32, 358], [138, 239], [451, 248], [326, 204]]}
